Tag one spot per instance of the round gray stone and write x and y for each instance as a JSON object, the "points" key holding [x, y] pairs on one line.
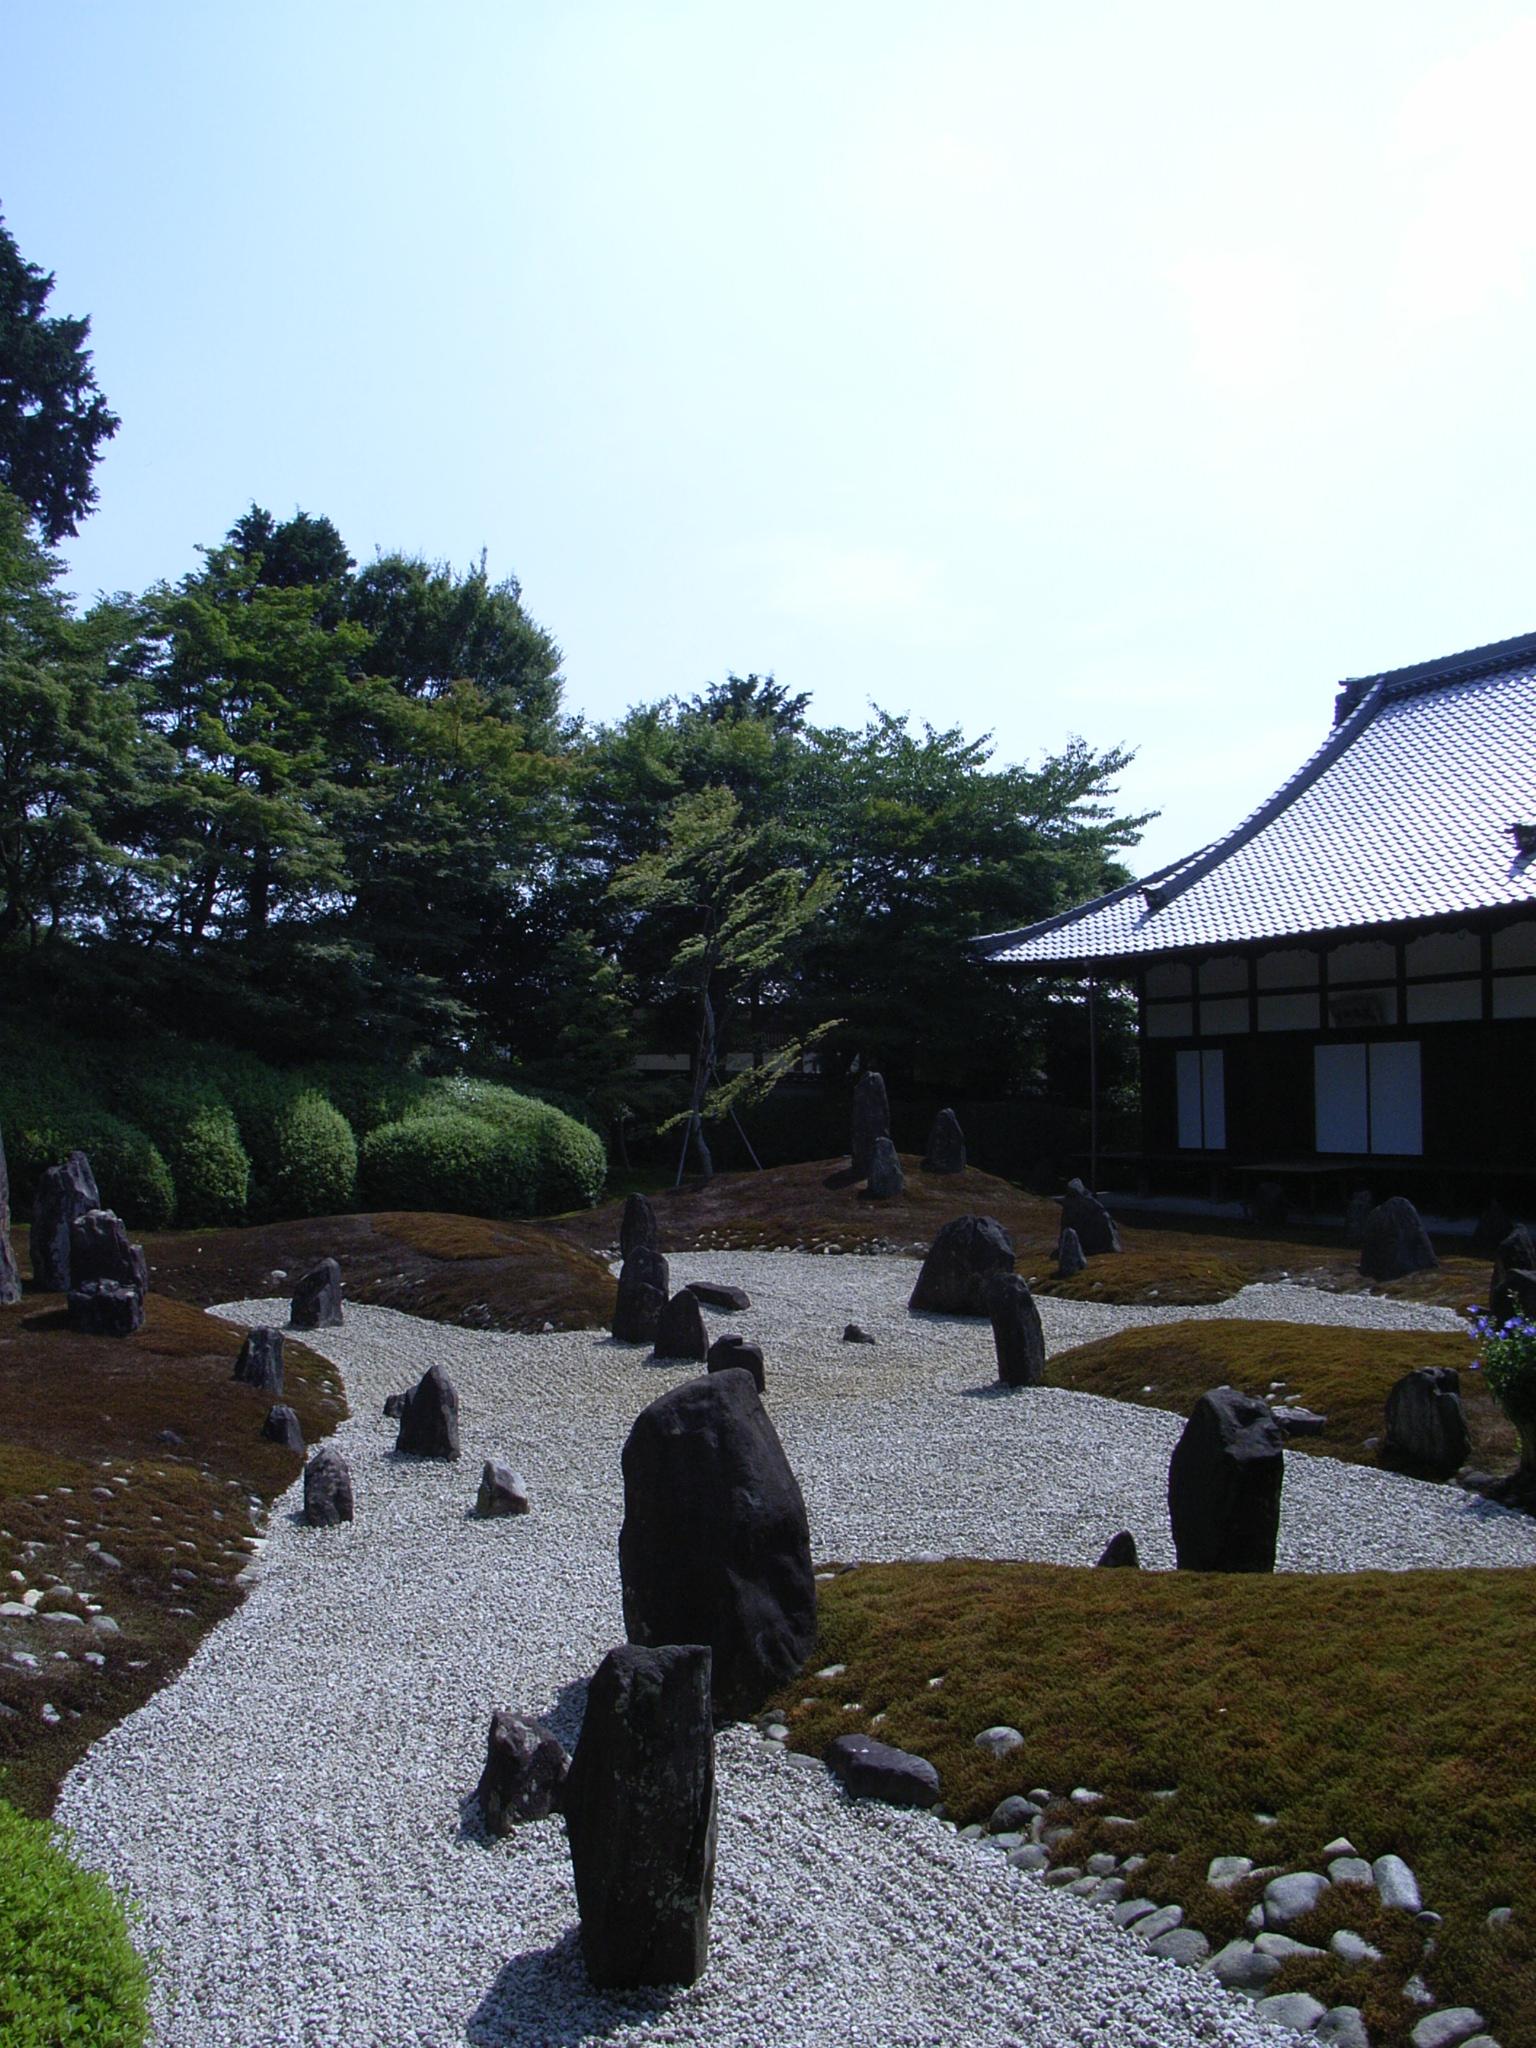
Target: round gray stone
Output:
{"points": [[1396, 1884], [1344, 2027], [1241, 1967], [1287, 1898], [1448, 2028], [1298, 2009], [1186, 1945]]}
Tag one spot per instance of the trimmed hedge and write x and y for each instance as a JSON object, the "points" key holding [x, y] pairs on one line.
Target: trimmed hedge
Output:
{"points": [[68, 1971], [445, 1160], [316, 1159]]}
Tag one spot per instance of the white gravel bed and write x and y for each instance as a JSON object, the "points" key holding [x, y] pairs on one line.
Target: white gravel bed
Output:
{"points": [[293, 1813]]}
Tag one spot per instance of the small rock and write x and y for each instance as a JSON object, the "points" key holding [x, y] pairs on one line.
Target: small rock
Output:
{"points": [[1299, 1421], [1417, 1991], [1017, 1335], [429, 1420], [525, 1768], [1298, 2009], [327, 1489], [1186, 1945], [1162, 1921], [1013, 1812], [1064, 1874], [731, 1350], [1341, 1845], [1350, 1947], [1349, 1870], [680, 1331], [1343, 2026], [1226, 1871], [1447, 2028], [1029, 1856], [260, 1363], [1287, 1898], [1101, 1865], [1284, 1950], [1082, 1795], [502, 1492], [852, 1334], [999, 1741], [876, 1770], [715, 1294], [394, 1406], [885, 1180], [1119, 1553], [1070, 1256], [945, 1152], [1241, 1967], [282, 1426], [316, 1303], [638, 1226], [1396, 1884], [1501, 1916], [1132, 1911]]}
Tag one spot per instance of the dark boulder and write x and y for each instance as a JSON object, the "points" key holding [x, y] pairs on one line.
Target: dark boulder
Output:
{"points": [[1120, 1553], [260, 1363], [429, 1421], [960, 1262], [875, 1770], [1493, 1226], [639, 1807], [502, 1492], [730, 1350], [327, 1489], [1224, 1481], [105, 1308], [1357, 1212], [852, 1334], [99, 1250], [10, 1279], [1514, 1276], [1395, 1242], [871, 1120], [1426, 1426], [282, 1427], [1016, 1331], [1087, 1215], [316, 1301], [886, 1180], [643, 1284], [524, 1775], [680, 1331], [715, 1547], [639, 1227], [62, 1193], [945, 1152], [1070, 1256], [394, 1406], [715, 1294]]}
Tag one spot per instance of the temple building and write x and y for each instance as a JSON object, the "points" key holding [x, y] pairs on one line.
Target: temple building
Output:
{"points": [[1342, 991]]}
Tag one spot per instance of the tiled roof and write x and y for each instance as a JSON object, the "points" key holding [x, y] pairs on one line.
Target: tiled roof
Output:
{"points": [[1403, 814]]}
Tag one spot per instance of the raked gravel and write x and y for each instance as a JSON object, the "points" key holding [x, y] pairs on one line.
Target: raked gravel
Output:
{"points": [[294, 1813]]}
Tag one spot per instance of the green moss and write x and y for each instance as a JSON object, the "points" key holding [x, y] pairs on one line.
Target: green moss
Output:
{"points": [[1244, 1695], [68, 1970]]}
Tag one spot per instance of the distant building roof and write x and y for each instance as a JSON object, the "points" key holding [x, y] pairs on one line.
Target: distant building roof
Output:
{"points": [[1411, 810]]}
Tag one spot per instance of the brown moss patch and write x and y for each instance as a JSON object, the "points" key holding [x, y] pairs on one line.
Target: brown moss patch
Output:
{"points": [[84, 1461], [1241, 1696], [1194, 1278], [450, 1269], [1343, 1373]]}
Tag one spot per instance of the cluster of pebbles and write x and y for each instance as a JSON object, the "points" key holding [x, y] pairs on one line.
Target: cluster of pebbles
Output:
{"points": [[347, 1892]]}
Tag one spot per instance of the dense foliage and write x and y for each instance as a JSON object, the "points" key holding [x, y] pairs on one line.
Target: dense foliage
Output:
{"points": [[68, 1971]]}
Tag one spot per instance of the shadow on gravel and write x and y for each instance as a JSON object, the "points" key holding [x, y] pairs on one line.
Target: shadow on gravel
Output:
{"points": [[991, 1390], [543, 1995]]}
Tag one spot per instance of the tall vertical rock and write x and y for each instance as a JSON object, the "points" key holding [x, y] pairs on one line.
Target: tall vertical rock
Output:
{"points": [[63, 1193], [10, 1280], [871, 1120], [1224, 1482]]}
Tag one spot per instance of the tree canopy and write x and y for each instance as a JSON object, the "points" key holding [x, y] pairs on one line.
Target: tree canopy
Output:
{"points": [[53, 420]]}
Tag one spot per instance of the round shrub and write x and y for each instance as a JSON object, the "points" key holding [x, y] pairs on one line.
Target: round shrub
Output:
{"points": [[447, 1160], [68, 1971], [315, 1154], [210, 1166], [130, 1170], [573, 1162]]}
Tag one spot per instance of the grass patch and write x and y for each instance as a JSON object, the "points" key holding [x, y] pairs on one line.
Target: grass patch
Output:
{"points": [[68, 1971], [1337, 1371], [1241, 1695], [1190, 1279]]}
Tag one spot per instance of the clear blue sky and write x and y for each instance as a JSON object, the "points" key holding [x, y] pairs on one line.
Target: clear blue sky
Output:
{"points": [[1127, 370]]}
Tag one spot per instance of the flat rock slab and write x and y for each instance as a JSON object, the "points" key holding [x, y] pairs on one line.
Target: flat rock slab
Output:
{"points": [[715, 1294], [878, 1770]]}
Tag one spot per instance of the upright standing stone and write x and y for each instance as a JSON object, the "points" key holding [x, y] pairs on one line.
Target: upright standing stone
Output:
{"points": [[638, 1227], [1120, 1553], [643, 1285], [1224, 1483], [1070, 1256], [10, 1279], [1426, 1425], [63, 1193], [317, 1298], [105, 1308], [1087, 1215], [946, 1145], [327, 1489], [1395, 1242], [886, 1180], [871, 1120], [282, 1426], [731, 1351], [639, 1805], [99, 1250], [960, 1262], [680, 1329], [502, 1492], [524, 1775], [1016, 1331], [1514, 1276], [429, 1421], [260, 1363], [715, 1547]]}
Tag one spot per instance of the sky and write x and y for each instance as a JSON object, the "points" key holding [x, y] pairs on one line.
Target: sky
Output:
{"points": [[1109, 370]]}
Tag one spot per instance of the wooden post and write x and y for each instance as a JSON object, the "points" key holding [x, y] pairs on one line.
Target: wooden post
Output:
{"points": [[1093, 1090]]}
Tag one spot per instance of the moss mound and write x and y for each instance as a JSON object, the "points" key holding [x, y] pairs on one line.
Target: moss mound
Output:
{"points": [[1192, 1280], [1240, 1696]]}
